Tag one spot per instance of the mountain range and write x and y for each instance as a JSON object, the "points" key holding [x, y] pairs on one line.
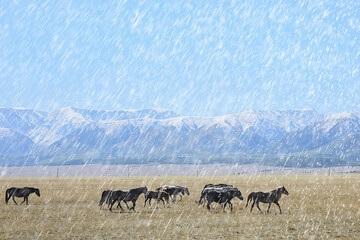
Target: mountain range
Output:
{"points": [[297, 138]]}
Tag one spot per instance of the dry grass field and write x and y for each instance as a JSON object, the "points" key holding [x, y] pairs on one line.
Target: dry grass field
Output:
{"points": [[318, 207]]}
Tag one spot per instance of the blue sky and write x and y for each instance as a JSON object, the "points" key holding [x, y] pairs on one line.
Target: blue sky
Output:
{"points": [[194, 57]]}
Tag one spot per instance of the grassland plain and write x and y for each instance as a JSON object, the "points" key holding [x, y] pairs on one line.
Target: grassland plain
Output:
{"points": [[318, 207]]}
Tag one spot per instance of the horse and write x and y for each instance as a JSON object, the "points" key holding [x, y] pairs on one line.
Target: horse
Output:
{"points": [[268, 197], [223, 197], [127, 196], [116, 196], [215, 187], [182, 192], [20, 192], [173, 191], [158, 195]]}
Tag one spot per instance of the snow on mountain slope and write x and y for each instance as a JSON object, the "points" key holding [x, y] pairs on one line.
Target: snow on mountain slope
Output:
{"points": [[320, 133], [21, 120], [161, 132], [114, 115], [64, 121], [57, 125], [181, 134], [12, 142]]}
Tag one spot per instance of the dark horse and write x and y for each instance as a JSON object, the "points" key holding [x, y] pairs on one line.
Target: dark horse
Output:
{"points": [[20, 192], [106, 197], [268, 197], [210, 187], [158, 195], [127, 196], [223, 197]]}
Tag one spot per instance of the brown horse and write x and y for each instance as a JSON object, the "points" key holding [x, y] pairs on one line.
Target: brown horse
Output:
{"points": [[158, 195], [268, 197]]}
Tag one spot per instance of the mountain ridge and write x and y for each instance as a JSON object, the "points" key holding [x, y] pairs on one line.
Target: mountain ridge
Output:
{"points": [[73, 135]]}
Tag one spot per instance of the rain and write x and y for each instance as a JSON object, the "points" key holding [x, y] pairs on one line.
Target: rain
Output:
{"points": [[122, 95]]}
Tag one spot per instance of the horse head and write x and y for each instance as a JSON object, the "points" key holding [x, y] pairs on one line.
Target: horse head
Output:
{"points": [[186, 190], [37, 192], [284, 191], [238, 195], [145, 190]]}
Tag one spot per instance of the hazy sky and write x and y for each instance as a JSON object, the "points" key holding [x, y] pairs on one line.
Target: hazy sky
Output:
{"points": [[194, 57]]}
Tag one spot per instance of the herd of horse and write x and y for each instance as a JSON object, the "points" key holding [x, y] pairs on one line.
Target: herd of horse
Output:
{"points": [[218, 193]]}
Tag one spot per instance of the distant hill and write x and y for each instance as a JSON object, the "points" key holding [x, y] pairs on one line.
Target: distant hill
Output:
{"points": [[75, 136]]}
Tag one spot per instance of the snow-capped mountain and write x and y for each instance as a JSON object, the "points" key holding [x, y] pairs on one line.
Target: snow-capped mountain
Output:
{"points": [[21, 120], [320, 133], [65, 121], [12, 142], [155, 134]]}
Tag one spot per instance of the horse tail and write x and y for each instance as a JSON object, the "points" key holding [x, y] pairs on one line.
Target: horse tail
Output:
{"points": [[101, 199], [249, 198], [202, 197], [104, 197], [7, 195]]}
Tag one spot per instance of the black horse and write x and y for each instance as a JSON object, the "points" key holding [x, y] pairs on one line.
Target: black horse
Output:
{"points": [[127, 196], [268, 197], [20, 192], [156, 195], [212, 187], [223, 197], [116, 196]]}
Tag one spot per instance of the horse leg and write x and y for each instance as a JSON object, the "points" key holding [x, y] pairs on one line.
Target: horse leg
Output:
{"points": [[133, 207], [27, 200], [111, 204], [122, 210], [268, 207], [126, 205], [13, 197], [224, 206], [208, 205], [108, 203], [257, 205], [231, 206], [145, 201], [252, 205], [23, 201], [278, 206]]}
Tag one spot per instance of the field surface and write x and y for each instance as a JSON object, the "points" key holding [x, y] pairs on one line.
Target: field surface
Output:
{"points": [[317, 207]]}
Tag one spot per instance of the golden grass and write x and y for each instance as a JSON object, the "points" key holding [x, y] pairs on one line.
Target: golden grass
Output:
{"points": [[318, 207]]}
